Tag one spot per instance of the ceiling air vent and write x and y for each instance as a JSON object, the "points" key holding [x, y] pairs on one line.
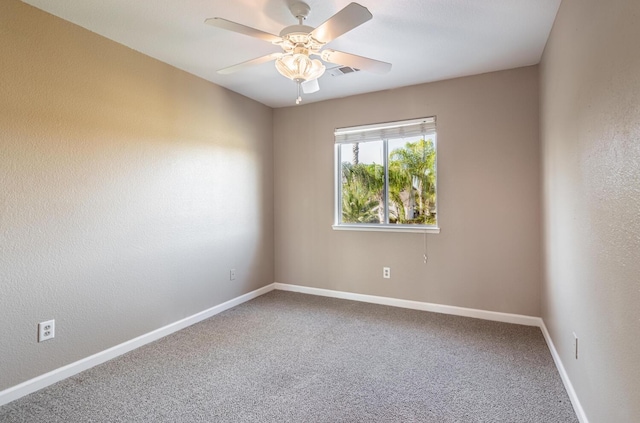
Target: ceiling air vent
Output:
{"points": [[343, 70]]}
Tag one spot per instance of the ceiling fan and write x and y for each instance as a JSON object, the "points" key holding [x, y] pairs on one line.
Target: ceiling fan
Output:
{"points": [[299, 42]]}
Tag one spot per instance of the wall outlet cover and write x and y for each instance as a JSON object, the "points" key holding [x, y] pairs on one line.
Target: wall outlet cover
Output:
{"points": [[46, 330]]}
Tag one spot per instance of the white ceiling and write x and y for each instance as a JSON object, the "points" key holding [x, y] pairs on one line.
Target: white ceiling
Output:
{"points": [[425, 40]]}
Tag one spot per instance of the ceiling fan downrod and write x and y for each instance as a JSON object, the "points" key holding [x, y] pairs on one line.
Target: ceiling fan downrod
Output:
{"points": [[300, 11]]}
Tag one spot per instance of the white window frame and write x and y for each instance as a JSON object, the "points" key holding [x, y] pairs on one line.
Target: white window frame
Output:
{"points": [[382, 132]]}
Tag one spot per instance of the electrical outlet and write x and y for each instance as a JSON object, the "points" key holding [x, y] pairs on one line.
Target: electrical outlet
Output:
{"points": [[386, 272], [46, 330], [232, 274], [575, 344]]}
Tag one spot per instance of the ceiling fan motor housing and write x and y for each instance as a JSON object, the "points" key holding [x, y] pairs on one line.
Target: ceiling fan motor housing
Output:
{"points": [[296, 36], [292, 30]]}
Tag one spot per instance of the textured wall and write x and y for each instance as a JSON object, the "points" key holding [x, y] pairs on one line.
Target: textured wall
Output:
{"points": [[590, 115], [128, 189], [487, 255]]}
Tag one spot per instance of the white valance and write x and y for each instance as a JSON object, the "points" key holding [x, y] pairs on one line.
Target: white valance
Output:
{"points": [[385, 131]]}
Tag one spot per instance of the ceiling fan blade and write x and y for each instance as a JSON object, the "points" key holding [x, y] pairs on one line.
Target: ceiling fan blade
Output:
{"points": [[242, 29], [344, 21], [310, 86], [357, 62], [249, 63]]}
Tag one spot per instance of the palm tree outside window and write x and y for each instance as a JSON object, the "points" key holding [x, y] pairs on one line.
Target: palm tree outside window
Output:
{"points": [[386, 176]]}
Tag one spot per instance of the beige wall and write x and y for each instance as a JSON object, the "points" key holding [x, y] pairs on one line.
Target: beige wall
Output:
{"points": [[487, 255], [128, 189], [590, 120]]}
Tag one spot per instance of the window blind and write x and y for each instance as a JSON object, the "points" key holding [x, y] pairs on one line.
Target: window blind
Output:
{"points": [[385, 131]]}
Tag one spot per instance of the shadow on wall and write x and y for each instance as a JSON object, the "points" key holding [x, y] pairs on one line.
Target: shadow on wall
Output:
{"points": [[129, 189]]}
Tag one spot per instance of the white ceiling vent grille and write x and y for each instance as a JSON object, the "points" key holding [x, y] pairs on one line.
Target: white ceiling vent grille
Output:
{"points": [[343, 70]]}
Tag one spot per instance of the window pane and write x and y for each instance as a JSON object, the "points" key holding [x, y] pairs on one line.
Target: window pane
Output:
{"points": [[412, 181], [362, 182]]}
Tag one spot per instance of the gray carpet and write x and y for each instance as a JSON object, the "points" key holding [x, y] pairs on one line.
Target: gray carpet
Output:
{"points": [[287, 357]]}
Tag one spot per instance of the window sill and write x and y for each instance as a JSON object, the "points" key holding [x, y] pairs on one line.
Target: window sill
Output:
{"points": [[388, 228]]}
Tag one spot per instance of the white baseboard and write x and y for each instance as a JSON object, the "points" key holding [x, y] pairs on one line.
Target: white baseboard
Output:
{"points": [[42, 381], [577, 407], [518, 319]]}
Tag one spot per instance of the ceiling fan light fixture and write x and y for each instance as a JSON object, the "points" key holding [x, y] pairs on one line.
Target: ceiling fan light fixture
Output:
{"points": [[299, 67]]}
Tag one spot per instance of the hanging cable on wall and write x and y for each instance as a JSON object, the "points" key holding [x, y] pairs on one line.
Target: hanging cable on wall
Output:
{"points": [[426, 252]]}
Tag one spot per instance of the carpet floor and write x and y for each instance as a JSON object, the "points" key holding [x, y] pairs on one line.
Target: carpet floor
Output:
{"points": [[288, 357]]}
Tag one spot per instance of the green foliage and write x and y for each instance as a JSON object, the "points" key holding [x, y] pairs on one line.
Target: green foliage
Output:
{"points": [[412, 187], [358, 207], [362, 192]]}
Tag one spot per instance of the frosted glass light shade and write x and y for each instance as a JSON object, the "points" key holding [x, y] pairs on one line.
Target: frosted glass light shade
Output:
{"points": [[299, 67]]}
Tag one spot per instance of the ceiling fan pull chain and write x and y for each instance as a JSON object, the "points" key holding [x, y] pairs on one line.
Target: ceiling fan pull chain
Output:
{"points": [[299, 99]]}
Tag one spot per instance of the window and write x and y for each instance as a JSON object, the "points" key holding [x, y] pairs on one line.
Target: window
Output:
{"points": [[386, 177]]}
